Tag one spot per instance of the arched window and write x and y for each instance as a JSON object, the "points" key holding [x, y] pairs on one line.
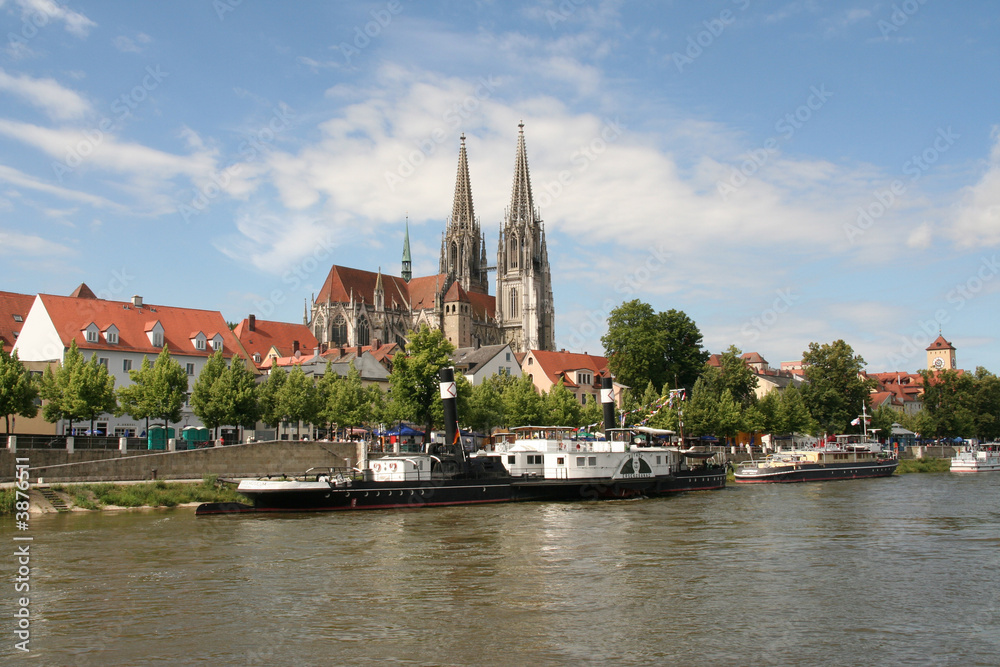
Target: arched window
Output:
{"points": [[338, 332], [512, 255], [513, 301], [364, 333], [453, 258]]}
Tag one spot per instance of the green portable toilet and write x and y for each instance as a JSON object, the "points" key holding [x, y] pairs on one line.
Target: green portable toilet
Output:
{"points": [[156, 438]]}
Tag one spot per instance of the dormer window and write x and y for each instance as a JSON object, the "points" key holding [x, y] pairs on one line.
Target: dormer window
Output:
{"points": [[199, 343], [91, 336], [217, 342], [112, 337], [256, 357], [156, 338]]}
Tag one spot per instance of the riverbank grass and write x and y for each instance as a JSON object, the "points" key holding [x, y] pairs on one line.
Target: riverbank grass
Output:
{"points": [[145, 494], [923, 465]]}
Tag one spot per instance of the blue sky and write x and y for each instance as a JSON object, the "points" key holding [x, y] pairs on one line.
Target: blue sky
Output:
{"points": [[783, 172]]}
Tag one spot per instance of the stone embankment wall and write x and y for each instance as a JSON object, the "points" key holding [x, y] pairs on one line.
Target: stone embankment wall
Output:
{"points": [[249, 460]]}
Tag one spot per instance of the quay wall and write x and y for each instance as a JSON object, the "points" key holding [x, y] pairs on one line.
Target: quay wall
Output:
{"points": [[246, 460]]}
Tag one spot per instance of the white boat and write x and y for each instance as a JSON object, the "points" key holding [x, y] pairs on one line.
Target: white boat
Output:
{"points": [[978, 458]]}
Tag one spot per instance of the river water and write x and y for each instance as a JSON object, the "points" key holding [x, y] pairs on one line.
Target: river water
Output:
{"points": [[898, 571]]}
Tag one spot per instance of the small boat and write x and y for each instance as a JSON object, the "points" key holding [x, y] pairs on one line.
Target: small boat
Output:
{"points": [[978, 458], [850, 457]]}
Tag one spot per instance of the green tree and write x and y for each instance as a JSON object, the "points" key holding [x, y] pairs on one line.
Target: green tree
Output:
{"points": [[18, 390], [561, 407], [486, 409], [700, 411], [60, 392], [948, 404], [881, 420], [267, 396], [986, 405], [165, 389], [522, 404], [96, 388], [736, 376], [206, 401], [328, 405], [729, 417], [414, 384], [297, 401], [132, 399], [643, 346], [592, 413], [835, 393], [236, 392]]}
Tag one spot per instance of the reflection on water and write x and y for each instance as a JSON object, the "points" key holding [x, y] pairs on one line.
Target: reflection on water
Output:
{"points": [[895, 571]]}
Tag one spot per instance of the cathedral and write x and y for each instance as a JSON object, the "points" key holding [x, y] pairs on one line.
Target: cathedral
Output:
{"points": [[356, 307]]}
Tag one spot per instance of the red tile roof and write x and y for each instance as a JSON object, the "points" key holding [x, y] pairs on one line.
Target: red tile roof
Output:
{"points": [[13, 306], [71, 315], [940, 344], [556, 364], [280, 335], [342, 283]]}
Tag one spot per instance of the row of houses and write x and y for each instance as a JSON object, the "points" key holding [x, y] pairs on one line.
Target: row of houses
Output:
{"points": [[121, 333]]}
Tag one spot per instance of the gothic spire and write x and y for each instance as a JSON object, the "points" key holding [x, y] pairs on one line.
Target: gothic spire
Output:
{"points": [[462, 214], [522, 204], [407, 271]]}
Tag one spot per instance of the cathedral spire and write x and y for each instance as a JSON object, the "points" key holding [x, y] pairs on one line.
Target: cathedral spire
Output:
{"points": [[522, 204], [462, 214], [407, 271], [461, 254]]}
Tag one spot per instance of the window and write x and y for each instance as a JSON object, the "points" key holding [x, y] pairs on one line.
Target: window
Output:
{"points": [[91, 336], [364, 333], [508, 356], [18, 318], [126, 365], [199, 344], [217, 345], [338, 333], [256, 357], [103, 361], [190, 369], [581, 461], [511, 459], [111, 337], [535, 459], [592, 461], [157, 339], [561, 461]]}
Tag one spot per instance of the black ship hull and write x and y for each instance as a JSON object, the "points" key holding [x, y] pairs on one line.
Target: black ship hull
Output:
{"points": [[461, 491], [817, 472]]}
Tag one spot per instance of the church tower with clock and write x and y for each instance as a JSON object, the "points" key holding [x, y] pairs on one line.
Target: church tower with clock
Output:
{"points": [[941, 355]]}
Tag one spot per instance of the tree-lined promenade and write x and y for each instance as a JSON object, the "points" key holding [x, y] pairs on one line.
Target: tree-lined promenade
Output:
{"points": [[658, 357]]}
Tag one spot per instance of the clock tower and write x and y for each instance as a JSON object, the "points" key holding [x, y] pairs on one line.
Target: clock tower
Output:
{"points": [[941, 355]]}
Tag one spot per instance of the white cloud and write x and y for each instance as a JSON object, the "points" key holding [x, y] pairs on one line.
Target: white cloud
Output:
{"points": [[978, 218], [16, 244], [137, 161], [41, 11], [128, 45], [58, 102], [17, 178]]}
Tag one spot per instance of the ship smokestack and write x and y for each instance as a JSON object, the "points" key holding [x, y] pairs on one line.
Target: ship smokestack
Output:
{"points": [[449, 399], [608, 401]]}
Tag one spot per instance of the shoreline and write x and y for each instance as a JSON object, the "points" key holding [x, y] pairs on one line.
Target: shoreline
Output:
{"points": [[188, 494], [120, 496]]}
